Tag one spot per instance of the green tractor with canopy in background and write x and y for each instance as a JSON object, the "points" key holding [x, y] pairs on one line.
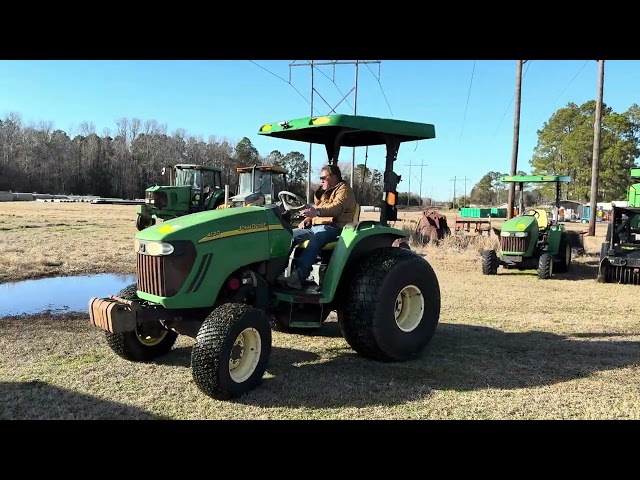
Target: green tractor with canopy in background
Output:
{"points": [[188, 188], [212, 276], [620, 251], [530, 240]]}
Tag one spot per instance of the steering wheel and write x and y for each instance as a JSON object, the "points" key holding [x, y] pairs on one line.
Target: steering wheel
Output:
{"points": [[535, 213], [285, 196]]}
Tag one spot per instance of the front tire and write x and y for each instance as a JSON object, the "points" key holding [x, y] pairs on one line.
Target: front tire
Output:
{"points": [[392, 308], [545, 266], [140, 345], [490, 262], [231, 351], [144, 222]]}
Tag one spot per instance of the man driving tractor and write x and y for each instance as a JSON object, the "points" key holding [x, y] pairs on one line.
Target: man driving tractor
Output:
{"points": [[335, 204]]}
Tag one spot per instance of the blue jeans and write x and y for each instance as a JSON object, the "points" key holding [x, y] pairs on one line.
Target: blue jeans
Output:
{"points": [[318, 236]]}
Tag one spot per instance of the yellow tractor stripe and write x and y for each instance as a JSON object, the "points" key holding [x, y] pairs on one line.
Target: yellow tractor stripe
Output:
{"points": [[233, 233]]}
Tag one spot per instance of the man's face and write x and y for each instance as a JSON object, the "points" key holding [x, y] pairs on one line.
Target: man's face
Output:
{"points": [[327, 180]]}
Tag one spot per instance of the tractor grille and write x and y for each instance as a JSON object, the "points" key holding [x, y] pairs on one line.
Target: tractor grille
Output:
{"points": [[623, 275], [164, 275], [514, 244]]}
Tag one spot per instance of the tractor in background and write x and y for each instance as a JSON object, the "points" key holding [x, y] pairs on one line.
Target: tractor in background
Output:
{"points": [[212, 276], [258, 185], [531, 240], [188, 188], [620, 251]]}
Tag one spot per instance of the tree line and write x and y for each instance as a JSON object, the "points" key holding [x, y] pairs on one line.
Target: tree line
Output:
{"points": [[565, 147], [122, 164]]}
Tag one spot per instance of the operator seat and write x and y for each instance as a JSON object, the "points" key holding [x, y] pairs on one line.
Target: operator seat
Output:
{"points": [[332, 245], [543, 220]]}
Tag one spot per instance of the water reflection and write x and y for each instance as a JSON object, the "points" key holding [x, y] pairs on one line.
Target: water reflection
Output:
{"points": [[59, 294]]}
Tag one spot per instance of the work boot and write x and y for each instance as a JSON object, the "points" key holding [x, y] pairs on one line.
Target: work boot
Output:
{"points": [[293, 280]]}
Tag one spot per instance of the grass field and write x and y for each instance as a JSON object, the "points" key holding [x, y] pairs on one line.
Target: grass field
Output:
{"points": [[509, 346]]}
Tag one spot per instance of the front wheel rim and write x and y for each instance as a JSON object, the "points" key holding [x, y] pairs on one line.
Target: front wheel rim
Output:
{"points": [[149, 341], [245, 355]]}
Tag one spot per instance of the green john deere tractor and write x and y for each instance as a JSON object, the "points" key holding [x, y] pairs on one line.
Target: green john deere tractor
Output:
{"points": [[620, 251], [188, 188], [530, 240], [258, 185], [212, 276]]}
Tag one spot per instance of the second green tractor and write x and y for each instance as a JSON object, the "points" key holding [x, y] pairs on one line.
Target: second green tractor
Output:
{"points": [[531, 240]]}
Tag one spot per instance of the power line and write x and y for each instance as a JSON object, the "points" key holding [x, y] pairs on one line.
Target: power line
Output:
{"points": [[285, 81], [468, 96], [331, 80], [382, 89], [313, 64], [565, 88]]}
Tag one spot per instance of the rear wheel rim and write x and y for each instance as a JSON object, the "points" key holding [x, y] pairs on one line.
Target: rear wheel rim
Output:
{"points": [[409, 308]]}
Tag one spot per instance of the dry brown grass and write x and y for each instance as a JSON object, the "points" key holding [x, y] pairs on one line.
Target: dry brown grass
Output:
{"points": [[509, 346], [40, 239]]}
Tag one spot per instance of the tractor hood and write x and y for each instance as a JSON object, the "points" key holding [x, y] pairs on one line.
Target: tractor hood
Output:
{"points": [[171, 197], [245, 198], [168, 189], [520, 223], [206, 226]]}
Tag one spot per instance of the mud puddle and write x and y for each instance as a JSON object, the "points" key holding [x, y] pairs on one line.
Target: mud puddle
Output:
{"points": [[59, 295]]}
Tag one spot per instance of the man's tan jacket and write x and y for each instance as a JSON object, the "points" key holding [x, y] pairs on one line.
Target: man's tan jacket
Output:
{"points": [[337, 205]]}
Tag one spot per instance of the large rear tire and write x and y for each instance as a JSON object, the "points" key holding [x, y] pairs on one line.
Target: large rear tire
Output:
{"points": [[231, 351], [140, 346], [564, 255], [392, 308]]}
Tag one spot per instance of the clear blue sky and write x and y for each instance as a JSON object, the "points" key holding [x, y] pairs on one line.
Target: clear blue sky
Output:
{"points": [[471, 103]]}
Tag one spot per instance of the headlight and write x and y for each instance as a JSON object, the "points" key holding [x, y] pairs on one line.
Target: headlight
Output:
{"points": [[153, 248], [505, 234], [160, 199], [521, 234]]}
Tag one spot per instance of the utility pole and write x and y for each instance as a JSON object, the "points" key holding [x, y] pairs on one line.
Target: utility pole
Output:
{"points": [[454, 191], [313, 64], [355, 107], [421, 187], [465, 190], [409, 194], [516, 137], [596, 152], [310, 145]]}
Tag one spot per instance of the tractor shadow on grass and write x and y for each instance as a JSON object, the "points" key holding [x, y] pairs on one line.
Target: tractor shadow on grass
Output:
{"points": [[459, 358], [36, 400], [582, 268]]}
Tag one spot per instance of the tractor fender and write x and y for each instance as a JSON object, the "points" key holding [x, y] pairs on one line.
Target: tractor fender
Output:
{"points": [[355, 241]]}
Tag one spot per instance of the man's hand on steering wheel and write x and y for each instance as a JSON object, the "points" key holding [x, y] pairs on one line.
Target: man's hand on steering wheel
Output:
{"points": [[310, 212], [285, 197]]}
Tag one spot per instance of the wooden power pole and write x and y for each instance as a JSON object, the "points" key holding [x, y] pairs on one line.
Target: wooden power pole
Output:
{"points": [[516, 138], [596, 152]]}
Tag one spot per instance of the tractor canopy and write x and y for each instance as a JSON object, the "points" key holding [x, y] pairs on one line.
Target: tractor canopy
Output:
{"points": [[535, 178], [335, 131]]}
